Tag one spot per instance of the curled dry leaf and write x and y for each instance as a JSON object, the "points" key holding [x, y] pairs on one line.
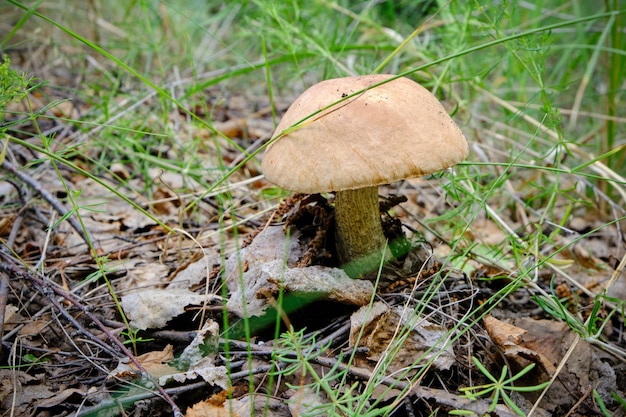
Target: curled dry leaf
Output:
{"points": [[268, 264], [156, 363], [510, 339]]}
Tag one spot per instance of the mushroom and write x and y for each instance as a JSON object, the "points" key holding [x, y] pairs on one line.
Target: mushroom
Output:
{"points": [[386, 133]]}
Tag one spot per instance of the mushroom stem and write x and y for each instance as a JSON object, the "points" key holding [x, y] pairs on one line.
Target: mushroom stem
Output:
{"points": [[359, 236]]}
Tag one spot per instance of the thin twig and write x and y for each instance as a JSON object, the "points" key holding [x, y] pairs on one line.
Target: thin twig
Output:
{"points": [[4, 296], [56, 204], [76, 324], [17, 222]]}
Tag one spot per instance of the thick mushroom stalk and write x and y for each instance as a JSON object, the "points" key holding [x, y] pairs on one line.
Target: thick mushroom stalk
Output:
{"points": [[360, 241]]}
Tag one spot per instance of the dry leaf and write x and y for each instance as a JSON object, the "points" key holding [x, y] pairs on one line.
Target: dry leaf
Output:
{"points": [[544, 342], [501, 333], [66, 110], [156, 363], [511, 340], [487, 232], [61, 397], [17, 396], [153, 308], [173, 181], [231, 408], [12, 317], [196, 272], [142, 274], [231, 128], [195, 359], [264, 267], [33, 328], [198, 360], [304, 401], [379, 326]]}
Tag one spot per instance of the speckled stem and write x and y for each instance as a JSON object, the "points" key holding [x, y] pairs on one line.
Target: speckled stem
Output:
{"points": [[359, 236]]}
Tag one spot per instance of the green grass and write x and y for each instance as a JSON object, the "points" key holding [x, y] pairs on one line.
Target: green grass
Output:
{"points": [[537, 88]]}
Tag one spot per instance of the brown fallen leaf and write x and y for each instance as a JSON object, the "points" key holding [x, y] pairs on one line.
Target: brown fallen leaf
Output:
{"points": [[487, 232], [62, 397], [502, 334], [20, 391], [545, 342], [33, 328], [231, 128], [155, 363], [230, 408], [65, 110], [510, 339], [379, 326]]}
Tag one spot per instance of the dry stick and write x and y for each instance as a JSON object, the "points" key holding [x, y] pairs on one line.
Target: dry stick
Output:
{"points": [[56, 204], [10, 266], [4, 296], [479, 407], [19, 218], [68, 316]]}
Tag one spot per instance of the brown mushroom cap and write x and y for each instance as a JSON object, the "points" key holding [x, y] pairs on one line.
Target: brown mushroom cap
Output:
{"points": [[388, 133]]}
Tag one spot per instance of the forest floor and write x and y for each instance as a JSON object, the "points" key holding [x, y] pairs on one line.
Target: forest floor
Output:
{"points": [[146, 292]]}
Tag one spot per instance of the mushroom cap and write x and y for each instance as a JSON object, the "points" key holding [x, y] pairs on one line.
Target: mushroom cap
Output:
{"points": [[387, 133]]}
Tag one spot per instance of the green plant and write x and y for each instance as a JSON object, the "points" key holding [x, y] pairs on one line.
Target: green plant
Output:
{"points": [[619, 399], [602, 311], [133, 338], [13, 85], [13, 88], [297, 354], [501, 387]]}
